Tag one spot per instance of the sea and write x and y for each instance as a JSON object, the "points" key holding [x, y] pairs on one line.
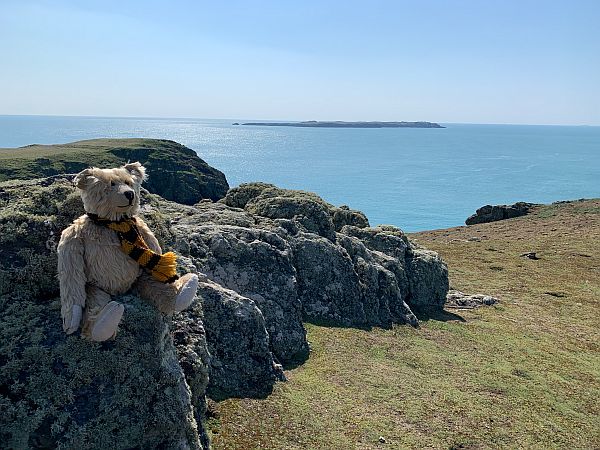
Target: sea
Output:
{"points": [[414, 178]]}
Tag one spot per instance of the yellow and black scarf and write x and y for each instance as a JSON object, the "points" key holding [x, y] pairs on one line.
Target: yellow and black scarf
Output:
{"points": [[162, 267]]}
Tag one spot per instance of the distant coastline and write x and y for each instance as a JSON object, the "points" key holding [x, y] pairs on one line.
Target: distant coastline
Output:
{"points": [[341, 124]]}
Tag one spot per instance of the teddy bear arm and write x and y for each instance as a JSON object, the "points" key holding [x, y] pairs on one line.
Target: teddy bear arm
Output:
{"points": [[72, 279], [148, 236]]}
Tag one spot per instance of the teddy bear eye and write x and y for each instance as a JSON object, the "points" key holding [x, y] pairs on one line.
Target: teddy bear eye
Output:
{"points": [[112, 183]]}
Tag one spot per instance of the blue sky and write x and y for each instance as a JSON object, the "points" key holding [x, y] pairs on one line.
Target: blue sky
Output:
{"points": [[475, 61]]}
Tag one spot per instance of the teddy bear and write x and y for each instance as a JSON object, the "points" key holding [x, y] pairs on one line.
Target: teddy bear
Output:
{"points": [[110, 250]]}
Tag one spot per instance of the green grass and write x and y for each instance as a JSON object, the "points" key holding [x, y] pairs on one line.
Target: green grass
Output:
{"points": [[34, 161], [523, 374], [175, 172]]}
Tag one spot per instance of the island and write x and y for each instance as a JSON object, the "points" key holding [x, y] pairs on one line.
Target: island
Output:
{"points": [[341, 124]]}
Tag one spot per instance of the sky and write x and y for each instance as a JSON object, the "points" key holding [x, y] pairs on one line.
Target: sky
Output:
{"points": [[449, 61]]}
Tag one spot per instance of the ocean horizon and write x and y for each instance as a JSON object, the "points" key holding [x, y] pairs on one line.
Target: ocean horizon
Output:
{"points": [[414, 178]]}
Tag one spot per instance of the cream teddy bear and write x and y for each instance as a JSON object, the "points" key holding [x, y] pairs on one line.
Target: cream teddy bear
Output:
{"points": [[109, 250]]}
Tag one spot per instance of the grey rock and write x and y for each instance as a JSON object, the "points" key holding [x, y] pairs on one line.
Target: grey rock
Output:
{"points": [[383, 284], [63, 391], [238, 197], [343, 216], [189, 337], [268, 258], [309, 210], [241, 362], [256, 263], [428, 279], [421, 275], [328, 285], [458, 299], [493, 213], [310, 214], [384, 238]]}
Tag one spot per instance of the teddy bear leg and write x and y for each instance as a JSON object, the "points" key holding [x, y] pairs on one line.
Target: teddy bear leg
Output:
{"points": [[186, 286], [168, 298], [160, 295], [102, 316]]}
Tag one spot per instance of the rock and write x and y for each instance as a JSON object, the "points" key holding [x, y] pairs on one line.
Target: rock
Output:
{"points": [[241, 362], [328, 286], [421, 275], [63, 391], [428, 279], [489, 213], [175, 171], [343, 216], [530, 255], [189, 337], [305, 208], [457, 299], [256, 263], [386, 239], [238, 197], [269, 258], [383, 285], [308, 213]]}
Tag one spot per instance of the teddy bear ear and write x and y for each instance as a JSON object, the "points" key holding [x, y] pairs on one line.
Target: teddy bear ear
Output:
{"points": [[84, 178], [136, 170]]}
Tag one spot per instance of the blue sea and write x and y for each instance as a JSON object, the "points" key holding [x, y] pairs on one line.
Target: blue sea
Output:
{"points": [[414, 178]]}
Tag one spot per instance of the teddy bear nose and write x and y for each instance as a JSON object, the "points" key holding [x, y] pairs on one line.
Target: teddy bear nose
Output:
{"points": [[129, 195]]}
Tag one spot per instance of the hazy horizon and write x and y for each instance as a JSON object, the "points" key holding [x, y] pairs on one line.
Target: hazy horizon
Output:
{"points": [[91, 116], [515, 62]]}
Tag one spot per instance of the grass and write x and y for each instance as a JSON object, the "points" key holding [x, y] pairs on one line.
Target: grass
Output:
{"points": [[34, 161], [523, 374], [175, 172]]}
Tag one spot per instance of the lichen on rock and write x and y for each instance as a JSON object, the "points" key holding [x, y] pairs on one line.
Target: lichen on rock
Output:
{"points": [[63, 391], [269, 259]]}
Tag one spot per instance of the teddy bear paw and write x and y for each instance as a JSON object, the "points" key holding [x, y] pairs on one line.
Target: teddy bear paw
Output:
{"points": [[107, 322], [186, 293], [71, 326]]}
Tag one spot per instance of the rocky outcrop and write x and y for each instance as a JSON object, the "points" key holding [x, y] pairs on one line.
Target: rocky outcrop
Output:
{"points": [[175, 171], [241, 361], [489, 213], [62, 391], [305, 209], [269, 259]]}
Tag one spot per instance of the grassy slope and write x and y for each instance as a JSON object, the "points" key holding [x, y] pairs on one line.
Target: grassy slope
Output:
{"points": [[524, 374], [32, 160], [176, 172]]}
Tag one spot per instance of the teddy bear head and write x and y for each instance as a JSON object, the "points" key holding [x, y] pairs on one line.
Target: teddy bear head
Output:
{"points": [[111, 193]]}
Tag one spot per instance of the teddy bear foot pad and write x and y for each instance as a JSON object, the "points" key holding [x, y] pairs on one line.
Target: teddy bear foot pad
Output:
{"points": [[186, 294], [107, 322]]}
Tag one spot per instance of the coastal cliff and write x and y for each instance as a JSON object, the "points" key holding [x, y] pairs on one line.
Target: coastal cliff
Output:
{"points": [[178, 173], [270, 261]]}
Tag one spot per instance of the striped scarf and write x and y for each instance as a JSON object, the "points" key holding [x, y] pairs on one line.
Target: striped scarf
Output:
{"points": [[162, 267]]}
